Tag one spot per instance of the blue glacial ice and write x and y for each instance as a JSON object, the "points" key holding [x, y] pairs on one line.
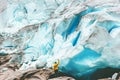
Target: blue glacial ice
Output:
{"points": [[83, 34]]}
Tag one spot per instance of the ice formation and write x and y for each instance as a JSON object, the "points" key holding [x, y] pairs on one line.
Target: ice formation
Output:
{"points": [[83, 34]]}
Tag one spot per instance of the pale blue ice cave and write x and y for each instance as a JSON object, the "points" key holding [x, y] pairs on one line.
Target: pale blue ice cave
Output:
{"points": [[83, 34]]}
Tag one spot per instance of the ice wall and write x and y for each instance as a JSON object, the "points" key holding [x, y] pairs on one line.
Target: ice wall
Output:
{"points": [[83, 34]]}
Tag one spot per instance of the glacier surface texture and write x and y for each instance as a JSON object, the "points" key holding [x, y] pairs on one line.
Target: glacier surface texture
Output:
{"points": [[83, 34]]}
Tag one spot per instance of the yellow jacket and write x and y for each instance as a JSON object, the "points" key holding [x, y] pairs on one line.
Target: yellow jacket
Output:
{"points": [[55, 66]]}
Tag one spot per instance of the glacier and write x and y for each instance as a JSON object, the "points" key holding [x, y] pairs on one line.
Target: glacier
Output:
{"points": [[83, 34]]}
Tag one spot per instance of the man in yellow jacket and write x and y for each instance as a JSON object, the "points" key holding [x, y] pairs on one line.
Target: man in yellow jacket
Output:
{"points": [[55, 66]]}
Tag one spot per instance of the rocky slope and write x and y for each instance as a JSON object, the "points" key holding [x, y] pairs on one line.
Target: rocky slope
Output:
{"points": [[10, 71]]}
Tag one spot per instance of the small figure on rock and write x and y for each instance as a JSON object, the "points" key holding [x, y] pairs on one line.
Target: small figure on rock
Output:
{"points": [[55, 66]]}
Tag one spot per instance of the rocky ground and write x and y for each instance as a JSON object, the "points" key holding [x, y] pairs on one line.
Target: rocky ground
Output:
{"points": [[10, 71], [31, 74]]}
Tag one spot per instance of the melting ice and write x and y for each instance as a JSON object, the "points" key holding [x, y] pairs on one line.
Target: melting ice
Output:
{"points": [[83, 34]]}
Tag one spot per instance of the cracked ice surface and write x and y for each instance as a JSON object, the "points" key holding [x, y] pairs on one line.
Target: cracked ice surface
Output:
{"points": [[83, 34]]}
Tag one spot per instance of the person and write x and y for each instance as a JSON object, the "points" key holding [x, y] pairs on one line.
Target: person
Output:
{"points": [[55, 66]]}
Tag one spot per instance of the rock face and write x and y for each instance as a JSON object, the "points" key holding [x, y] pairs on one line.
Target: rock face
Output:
{"points": [[106, 73], [10, 71], [31, 74]]}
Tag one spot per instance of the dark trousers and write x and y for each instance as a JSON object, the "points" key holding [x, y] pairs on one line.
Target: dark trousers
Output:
{"points": [[56, 74]]}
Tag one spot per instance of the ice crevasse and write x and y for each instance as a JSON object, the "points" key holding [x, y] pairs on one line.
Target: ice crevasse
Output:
{"points": [[83, 34]]}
